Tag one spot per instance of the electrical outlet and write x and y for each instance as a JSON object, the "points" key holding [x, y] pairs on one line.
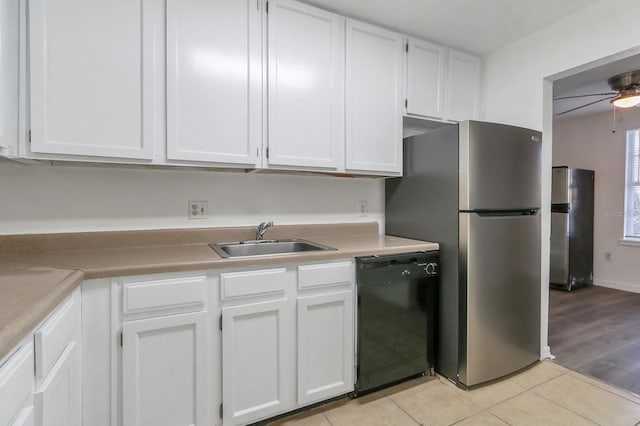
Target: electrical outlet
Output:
{"points": [[362, 208], [198, 209], [607, 256]]}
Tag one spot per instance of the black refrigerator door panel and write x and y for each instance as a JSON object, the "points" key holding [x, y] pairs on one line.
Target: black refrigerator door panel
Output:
{"points": [[500, 275], [500, 167]]}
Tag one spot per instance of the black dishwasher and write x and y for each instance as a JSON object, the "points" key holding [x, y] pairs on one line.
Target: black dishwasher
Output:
{"points": [[397, 302]]}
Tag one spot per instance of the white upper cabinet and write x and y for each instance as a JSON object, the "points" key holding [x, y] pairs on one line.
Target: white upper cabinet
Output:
{"points": [[374, 65], [9, 44], [463, 86], [305, 86], [214, 81], [426, 70], [92, 76]]}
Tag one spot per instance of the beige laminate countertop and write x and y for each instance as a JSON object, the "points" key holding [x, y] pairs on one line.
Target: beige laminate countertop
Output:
{"points": [[35, 275], [29, 294]]}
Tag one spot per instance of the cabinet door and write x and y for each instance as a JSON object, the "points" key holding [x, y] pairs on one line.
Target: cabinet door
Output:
{"points": [[92, 77], [374, 99], [425, 78], [306, 86], [9, 57], [164, 371], [58, 400], [214, 81], [16, 384], [25, 418], [258, 359], [325, 346], [463, 86]]}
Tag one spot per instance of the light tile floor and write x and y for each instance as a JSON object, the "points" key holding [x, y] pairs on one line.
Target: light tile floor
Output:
{"points": [[546, 394]]}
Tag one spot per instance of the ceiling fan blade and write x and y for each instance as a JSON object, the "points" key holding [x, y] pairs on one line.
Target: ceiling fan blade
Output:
{"points": [[583, 106], [585, 96]]}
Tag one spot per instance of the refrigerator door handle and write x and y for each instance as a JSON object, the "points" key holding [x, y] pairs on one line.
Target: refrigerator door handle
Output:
{"points": [[502, 213]]}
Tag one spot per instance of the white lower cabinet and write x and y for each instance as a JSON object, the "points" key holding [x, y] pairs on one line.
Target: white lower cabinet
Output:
{"points": [[25, 418], [16, 385], [231, 347], [325, 346], [151, 350], [257, 344], [58, 399], [40, 381], [287, 338], [164, 365], [58, 369]]}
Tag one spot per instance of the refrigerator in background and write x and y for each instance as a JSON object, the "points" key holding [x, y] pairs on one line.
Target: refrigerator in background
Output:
{"points": [[474, 188], [571, 265]]}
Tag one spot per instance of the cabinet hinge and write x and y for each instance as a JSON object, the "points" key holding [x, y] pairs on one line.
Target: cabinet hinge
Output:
{"points": [[257, 4], [267, 153], [29, 136], [221, 412], [257, 152], [266, 7], [220, 322], [121, 339], [406, 47], [406, 103]]}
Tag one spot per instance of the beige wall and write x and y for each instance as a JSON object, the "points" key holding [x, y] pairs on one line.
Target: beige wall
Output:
{"points": [[588, 142]]}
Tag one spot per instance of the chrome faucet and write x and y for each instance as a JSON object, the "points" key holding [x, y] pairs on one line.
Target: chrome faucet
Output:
{"points": [[262, 228]]}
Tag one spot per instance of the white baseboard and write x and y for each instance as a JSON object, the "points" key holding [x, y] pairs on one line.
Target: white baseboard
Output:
{"points": [[633, 288]]}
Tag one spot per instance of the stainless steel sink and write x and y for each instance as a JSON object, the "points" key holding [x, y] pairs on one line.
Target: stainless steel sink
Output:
{"points": [[266, 247]]}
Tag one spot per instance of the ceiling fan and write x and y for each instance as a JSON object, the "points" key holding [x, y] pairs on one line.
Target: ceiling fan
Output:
{"points": [[625, 92]]}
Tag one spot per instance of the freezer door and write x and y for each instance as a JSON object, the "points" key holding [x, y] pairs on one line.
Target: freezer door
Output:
{"points": [[559, 266], [500, 167], [500, 276], [560, 185]]}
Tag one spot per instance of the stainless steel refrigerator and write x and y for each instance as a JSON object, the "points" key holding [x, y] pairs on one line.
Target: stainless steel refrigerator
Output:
{"points": [[571, 264], [474, 187]]}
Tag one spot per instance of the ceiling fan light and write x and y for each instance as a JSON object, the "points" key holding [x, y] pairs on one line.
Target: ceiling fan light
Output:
{"points": [[627, 99]]}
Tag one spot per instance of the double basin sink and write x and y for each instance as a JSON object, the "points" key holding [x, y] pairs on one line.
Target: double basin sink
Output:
{"points": [[266, 247]]}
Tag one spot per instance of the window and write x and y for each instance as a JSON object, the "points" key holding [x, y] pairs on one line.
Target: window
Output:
{"points": [[632, 187]]}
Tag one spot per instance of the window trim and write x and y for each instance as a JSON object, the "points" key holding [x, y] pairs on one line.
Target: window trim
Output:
{"points": [[628, 237]]}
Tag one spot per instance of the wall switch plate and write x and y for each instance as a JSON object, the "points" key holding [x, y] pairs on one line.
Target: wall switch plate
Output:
{"points": [[362, 208], [198, 209]]}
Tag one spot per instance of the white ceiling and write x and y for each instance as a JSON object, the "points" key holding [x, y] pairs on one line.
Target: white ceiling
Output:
{"points": [[586, 82], [477, 26]]}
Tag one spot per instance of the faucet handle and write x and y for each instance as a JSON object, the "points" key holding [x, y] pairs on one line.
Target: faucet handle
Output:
{"points": [[262, 228]]}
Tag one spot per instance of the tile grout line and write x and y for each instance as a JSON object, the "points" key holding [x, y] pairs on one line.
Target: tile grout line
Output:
{"points": [[500, 418], [567, 408], [622, 390], [326, 418], [403, 410], [525, 390]]}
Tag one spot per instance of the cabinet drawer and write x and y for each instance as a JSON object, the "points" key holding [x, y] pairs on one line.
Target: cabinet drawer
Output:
{"points": [[326, 274], [250, 283], [16, 384], [55, 334], [142, 296]]}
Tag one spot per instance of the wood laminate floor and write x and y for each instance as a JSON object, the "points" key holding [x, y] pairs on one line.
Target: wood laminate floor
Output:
{"points": [[596, 331]]}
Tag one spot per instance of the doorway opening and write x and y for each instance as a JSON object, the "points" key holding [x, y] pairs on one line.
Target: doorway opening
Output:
{"points": [[595, 330]]}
